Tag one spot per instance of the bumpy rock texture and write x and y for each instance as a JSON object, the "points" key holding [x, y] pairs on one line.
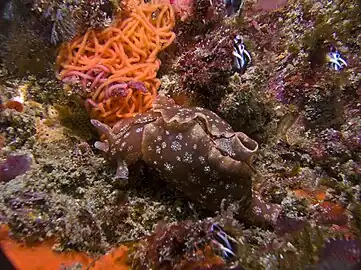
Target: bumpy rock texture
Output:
{"points": [[185, 143]]}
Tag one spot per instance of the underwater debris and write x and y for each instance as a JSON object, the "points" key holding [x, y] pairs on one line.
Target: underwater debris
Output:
{"points": [[13, 166], [242, 58], [224, 243], [233, 6], [335, 60]]}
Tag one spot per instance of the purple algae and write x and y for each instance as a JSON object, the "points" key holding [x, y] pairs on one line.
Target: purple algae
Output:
{"points": [[13, 166]]}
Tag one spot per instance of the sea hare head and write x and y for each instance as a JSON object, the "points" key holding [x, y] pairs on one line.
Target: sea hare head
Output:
{"points": [[123, 142]]}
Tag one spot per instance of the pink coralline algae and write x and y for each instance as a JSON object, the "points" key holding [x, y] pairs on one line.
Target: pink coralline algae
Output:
{"points": [[93, 78], [187, 245], [13, 166], [345, 253], [207, 66], [191, 148], [184, 8], [267, 5]]}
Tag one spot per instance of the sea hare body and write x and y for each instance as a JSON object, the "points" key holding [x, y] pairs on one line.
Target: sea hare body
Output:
{"points": [[191, 148]]}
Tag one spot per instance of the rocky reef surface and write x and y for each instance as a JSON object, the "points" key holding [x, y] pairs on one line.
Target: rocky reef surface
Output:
{"points": [[286, 73]]}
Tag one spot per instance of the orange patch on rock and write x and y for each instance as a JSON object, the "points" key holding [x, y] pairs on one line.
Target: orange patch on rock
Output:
{"points": [[332, 209], [14, 104], [328, 213], [116, 259], [41, 256], [315, 195]]}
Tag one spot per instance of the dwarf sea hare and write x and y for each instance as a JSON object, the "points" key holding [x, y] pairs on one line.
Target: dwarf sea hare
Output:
{"points": [[191, 148]]}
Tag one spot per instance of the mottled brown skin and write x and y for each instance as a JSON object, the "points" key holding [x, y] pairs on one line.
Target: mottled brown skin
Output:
{"points": [[191, 148]]}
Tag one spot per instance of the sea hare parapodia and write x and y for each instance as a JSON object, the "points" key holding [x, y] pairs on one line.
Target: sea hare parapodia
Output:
{"points": [[191, 148]]}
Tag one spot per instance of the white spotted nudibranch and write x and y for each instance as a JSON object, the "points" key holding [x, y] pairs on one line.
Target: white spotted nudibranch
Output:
{"points": [[191, 148]]}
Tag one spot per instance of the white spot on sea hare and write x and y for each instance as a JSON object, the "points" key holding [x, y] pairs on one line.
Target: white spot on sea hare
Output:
{"points": [[202, 160], [158, 149], [211, 190], [187, 158], [215, 128], [179, 136], [176, 146], [168, 167], [140, 129], [193, 178], [164, 145]]}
